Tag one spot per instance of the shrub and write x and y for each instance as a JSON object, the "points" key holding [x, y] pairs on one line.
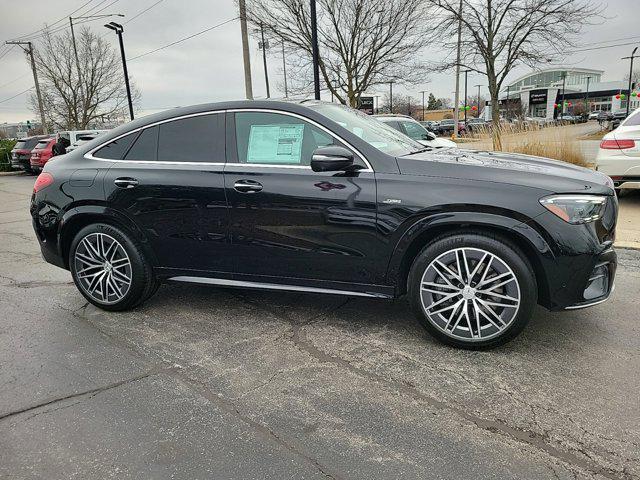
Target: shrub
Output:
{"points": [[5, 151]]}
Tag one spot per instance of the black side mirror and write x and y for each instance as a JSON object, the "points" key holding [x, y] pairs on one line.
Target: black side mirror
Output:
{"points": [[331, 159]]}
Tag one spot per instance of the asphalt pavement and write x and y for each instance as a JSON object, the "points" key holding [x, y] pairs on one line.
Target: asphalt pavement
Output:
{"points": [[218, 383]]}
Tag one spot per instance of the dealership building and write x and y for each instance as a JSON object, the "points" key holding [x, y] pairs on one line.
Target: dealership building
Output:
{"points": [[537, 93]]}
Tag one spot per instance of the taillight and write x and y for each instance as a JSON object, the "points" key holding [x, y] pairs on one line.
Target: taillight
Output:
{"points": [[614, 144], [44, 180]]}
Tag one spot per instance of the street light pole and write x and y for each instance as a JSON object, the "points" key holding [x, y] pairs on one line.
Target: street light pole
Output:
{"points": [[314, 50], [29, 51], [422, 92], [633, 55], [564, 80], [119, 29], [456, 107], [586, 98], [466, 73], [478, 100], [391, 96], [77, 58]]}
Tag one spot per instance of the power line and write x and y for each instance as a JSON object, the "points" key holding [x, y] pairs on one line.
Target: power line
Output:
{"points": [[183, 39], [17, 95], [603, 47], [54, 23], [143, 12], [14, 80], [7, 51]]}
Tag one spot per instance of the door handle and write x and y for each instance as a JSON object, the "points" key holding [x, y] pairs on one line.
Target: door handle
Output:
{"points": [[125, 182], [247, 186]]}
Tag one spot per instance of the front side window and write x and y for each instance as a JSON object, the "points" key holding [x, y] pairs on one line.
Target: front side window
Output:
{"points": [[115, 150], [277, 139], [380, 136], [145, 147]]}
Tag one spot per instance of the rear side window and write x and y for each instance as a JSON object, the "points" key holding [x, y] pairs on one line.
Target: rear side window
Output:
{"points": [[115, 150], [30, 143], [145, 147], [633, 120], [193, 139]]}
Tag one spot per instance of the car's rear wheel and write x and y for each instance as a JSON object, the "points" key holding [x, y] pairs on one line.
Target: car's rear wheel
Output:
{"points": [[109, 268], [472, 290]]}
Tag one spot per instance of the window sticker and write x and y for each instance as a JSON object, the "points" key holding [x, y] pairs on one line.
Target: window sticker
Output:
{"points": [[279, 144]]}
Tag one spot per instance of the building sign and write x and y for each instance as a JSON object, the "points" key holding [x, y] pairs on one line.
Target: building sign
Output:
{"points": [[538, 96], [366, 105]]}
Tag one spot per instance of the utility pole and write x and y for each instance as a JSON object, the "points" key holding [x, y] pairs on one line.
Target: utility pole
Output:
{"points": [[29, 51], [284, 71], [119, 29], [377, 107], [80, 87], [314, 50], [478, 100], [264, 45], [422, 92], [633, 55], [456, 110], [391, 96], [248, 87], [508, 98]]}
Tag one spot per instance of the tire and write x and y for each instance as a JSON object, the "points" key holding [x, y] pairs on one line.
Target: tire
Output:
{"points": [[109, 268], [465, 319]]}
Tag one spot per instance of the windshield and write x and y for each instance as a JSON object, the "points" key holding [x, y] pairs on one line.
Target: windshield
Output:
{"points": [[375, 133], [19, 145], [42, 144]]}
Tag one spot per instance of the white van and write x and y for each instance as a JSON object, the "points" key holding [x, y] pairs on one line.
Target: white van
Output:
{"points": [[72, 135]]}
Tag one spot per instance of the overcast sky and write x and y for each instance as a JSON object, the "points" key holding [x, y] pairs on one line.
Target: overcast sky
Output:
{"points": [[209, 67]]}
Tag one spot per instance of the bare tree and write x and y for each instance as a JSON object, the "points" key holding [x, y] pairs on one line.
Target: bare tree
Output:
{"points": [[499, 35], [362, 42], [103, 91], [402, 105]]}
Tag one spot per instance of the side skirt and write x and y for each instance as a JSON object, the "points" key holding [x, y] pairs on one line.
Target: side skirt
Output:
{"points": [[273, 286]]}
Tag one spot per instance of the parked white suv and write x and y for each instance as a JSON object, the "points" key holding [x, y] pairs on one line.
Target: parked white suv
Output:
{"points": [[619, 153], [416, 131]]}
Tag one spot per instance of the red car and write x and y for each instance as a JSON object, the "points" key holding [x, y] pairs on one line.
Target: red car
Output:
{"points": [[21, 153], [41, 154]]}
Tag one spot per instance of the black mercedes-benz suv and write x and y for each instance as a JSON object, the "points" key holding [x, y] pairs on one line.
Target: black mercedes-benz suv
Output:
{"points": [[316, 197]]}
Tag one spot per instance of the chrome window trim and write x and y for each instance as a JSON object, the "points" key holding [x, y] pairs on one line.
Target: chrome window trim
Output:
{"points": [[89, 155]]}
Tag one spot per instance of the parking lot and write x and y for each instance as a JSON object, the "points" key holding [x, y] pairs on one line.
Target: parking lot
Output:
{"points": [[220, 383]]}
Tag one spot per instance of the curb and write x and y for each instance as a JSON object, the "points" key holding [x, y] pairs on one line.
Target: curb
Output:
{"points": [[627, 245], [8, 174]]}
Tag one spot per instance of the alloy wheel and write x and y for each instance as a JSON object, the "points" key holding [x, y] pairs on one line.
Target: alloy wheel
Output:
{"points": [[470, 294], [103, 268]]}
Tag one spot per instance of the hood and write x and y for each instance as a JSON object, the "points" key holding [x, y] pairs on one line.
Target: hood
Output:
{"points": [[503, 167]]}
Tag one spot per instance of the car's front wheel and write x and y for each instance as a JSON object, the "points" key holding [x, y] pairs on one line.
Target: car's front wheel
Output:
{"points": [[109, 268], [472, 290]]}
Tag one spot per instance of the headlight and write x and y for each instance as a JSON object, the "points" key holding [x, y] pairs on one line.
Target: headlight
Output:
{"points": [[575, 209]]}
